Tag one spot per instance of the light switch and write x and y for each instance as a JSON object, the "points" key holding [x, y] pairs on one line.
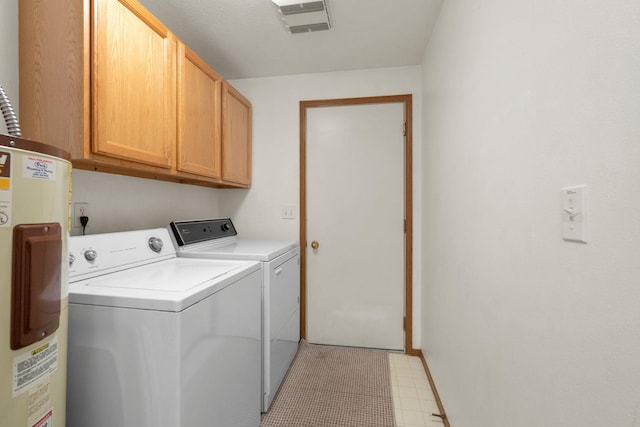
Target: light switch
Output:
{"points": [[574, 213], [289, 212]]}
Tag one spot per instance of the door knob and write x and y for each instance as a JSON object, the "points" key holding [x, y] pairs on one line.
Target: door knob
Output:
{"points": [[315, 245]]}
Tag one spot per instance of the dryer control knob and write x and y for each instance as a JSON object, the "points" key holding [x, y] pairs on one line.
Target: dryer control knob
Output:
{"points": [[72, 259], [155, 244], [225, 227], [90, 255]]}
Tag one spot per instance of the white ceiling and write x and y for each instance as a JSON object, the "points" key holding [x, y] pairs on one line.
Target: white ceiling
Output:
{"points": [[245, 38]]}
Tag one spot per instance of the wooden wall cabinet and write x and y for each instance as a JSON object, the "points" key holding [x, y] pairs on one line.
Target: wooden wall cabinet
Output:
{"points": [[214, 125], [108, 82], [236, 137], [133, 85], [199, 116]]}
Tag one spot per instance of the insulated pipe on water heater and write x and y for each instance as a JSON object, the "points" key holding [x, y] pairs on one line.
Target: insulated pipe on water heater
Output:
{"points": [[13, 127]]}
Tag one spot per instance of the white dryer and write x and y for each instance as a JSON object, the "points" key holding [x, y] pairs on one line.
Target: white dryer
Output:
{"points": [[280, 262], [156, 340]]}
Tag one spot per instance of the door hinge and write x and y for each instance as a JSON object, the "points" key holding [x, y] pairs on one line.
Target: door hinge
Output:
{"points": [[404, 323], [404, 129]]}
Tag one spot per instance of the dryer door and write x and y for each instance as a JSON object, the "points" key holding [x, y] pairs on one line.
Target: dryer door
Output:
{"points": [[282, 320]]}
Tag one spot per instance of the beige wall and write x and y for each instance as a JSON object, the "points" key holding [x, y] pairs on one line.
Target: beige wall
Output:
{"points": [[520, 99], [120, 203]]}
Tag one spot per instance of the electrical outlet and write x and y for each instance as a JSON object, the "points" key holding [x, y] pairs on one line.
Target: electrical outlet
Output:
{"points": [[79, 209]]}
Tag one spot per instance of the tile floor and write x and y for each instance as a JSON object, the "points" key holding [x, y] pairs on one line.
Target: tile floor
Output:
{"points": [[413, 400]]}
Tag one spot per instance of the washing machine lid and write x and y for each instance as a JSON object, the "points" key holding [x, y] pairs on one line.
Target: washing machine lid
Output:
{"points": [[169, 285], [256, 250]]}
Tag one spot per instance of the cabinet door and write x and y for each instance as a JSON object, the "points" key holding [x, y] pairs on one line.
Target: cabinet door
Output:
{"points": [[199, 115], [236, 137], [54, 38], [133, 84]]}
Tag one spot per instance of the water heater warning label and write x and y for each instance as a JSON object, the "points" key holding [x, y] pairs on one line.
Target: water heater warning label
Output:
{"points": [[5, 169], [32, 366], [39, 411], [45, 421], [5, 189]]}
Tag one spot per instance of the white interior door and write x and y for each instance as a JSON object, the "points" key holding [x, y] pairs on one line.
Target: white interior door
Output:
{"points": [[355, 212]]}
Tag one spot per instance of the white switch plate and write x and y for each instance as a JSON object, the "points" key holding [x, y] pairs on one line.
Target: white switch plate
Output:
{"points": [[574, 213], [289, 212]]}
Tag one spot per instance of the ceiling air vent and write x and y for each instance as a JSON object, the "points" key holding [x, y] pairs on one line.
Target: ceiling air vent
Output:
{"points": [[304, 16]]}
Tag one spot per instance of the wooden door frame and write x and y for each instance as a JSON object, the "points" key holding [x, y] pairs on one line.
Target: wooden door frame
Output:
{"points": [[406, 100]]}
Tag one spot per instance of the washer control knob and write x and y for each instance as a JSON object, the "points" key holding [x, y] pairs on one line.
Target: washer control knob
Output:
{"points": [[225, 227], [90, 255], [155, 244], [72, 259]]}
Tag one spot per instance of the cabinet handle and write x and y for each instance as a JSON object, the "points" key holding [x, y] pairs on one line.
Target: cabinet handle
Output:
{"points": [[278, 271]]}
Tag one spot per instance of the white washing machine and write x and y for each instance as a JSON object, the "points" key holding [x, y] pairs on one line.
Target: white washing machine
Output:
{"points": [[280, 263], [161, 341]]}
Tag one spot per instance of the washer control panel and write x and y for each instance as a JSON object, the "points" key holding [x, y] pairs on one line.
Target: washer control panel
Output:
{"points": [[97, 254]]}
